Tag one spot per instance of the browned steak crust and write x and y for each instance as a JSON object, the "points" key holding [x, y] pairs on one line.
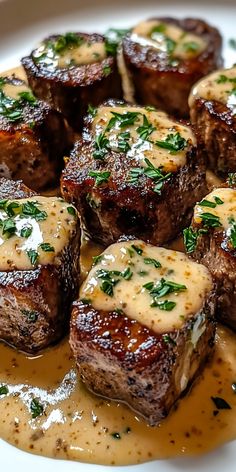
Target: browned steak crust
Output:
{"points": [[32, 148], [123, 360], [215, 126], [35, 304], [71, 90], [121, 207], [157, 82]]}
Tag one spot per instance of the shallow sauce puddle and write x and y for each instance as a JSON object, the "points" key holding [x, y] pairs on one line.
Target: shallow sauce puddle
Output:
{"points": [[77, 425]]}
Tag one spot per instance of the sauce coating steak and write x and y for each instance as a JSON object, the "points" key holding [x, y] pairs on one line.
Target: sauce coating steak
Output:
{"points": [[71, 72], [33, 137], [138, 335], [212, 109], [211, 240], [164, 57], [135, 172], [39, 270]]}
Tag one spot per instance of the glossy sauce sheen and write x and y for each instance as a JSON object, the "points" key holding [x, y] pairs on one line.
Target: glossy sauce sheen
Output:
{"points": [[77, 425], [130, 294], [141, 149], [154, 33], [13, 91], [225, 210], [219, 86], [55, 230]]}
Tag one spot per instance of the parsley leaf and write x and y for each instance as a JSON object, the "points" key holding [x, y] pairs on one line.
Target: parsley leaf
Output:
{"points": [[149, 260], [146, 129], [3, 390], [209, 220], [173, 142], [36, 408], [100, 177], [101, 146], [46, 247], [33, 256], [113, 37]]}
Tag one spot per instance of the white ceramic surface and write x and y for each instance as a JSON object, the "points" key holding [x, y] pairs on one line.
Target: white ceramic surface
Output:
{"points": [[22, 24]]}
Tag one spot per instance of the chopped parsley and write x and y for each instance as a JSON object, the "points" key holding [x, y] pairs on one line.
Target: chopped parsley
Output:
{"points": [[66, 41], [209, 204], [26, 231], [116, 435], [36, 408], [137, 249], [108, 281], [100, 177], [33, 256], [191, 237], [168, 340], [8, 227], [161, 289], [146, 129], [123, 141], [191, 46], [209, 220], [149, 260], [173, 142], [127, 274], [46, 247], [97, 259], [4, 390], [113, 37], [12, 108], [92, 111], [101, 146], [232, 179], [122, 119], [156, 174], [106, 70], [31, 209], [161, 28], [166, 305], [71, 210]]}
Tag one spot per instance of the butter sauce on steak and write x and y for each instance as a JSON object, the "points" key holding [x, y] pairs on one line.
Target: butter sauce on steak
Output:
{"points": [[164, 57], [143, 326], [135, 172], [73, 71], [39, 266], [33, 137]]}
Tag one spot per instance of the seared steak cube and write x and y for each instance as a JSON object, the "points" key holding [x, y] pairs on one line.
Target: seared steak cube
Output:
{"points": [[33, 137], [135, 172], [164, 57], [39, 266], [143, 326], [73, 71], [213, 113], [211, 240]]}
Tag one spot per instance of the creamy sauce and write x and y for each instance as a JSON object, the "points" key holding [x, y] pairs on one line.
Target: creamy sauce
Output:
{"points": [[145, 148], [127, 84], [224, 211], [130, 294], [85, 52], [168, 39], [13, 91], [50, 224], [219, 86]]}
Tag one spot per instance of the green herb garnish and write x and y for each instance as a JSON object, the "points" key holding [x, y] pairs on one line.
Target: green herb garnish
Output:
{"points": [[173, 142], [209, 220], [100, 177], [106, 70], [149, 260], [168, 340], [220, 403], [137, 249], [33, 256], [97, 259], [101, 146], [46, 247], [66, 41], [162, 288], [31, 315], [108, 281], [113, 38], [4, 390], [36, 408], [26, 231], [92, 111], [71, 210], [146, 129], [191, 46]]}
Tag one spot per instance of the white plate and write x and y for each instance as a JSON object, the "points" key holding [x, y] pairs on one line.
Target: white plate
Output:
{"points": [[23, 23]]}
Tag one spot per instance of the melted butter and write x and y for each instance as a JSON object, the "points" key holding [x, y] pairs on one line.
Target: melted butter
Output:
{"points": [[219, 86], [224, 211], [139, 148], [134, 299], [13, 91], [55, 230], [155, 34], [86, 53], [77, 425]]}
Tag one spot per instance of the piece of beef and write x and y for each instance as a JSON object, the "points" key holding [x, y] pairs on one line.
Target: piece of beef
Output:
{"points": [[162, 79], [121, 358], [35, 303], [215, 121], [123, 204], [34, 138], [211, 241], [72, 87]]}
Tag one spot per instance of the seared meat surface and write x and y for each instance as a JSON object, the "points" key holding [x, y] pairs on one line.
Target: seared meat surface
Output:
{"points": [[135, 172], [71, 72], [39, 267], [33, 137], [129, 340], [212, 110], [211, 241], [164, 57]]}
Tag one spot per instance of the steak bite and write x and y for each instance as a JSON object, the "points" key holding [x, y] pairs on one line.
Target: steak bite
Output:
{"points": [[213, 113], [39, 266], [135, 172], [164, 57], [211, 240], [73, 71], [33, 137], [143, 326]]}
